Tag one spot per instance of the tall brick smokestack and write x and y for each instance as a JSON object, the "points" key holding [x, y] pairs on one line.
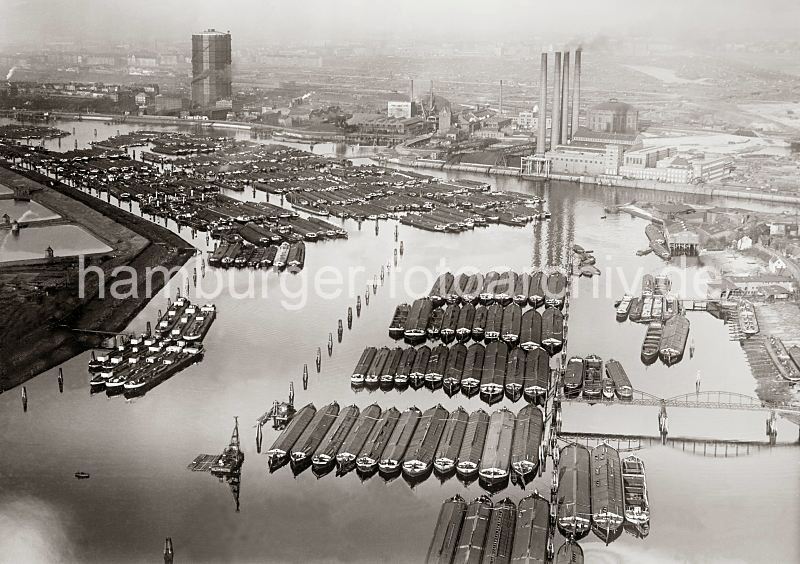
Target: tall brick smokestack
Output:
{"points": [[576, 94], [555, 128], [541, 137], [565, 130]]}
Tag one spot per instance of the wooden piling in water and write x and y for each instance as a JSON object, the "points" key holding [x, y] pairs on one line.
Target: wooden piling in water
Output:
{"points": [[305, 376]]}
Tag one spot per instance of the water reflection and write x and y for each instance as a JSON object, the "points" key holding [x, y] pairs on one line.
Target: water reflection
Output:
{"points": [[741, 508]]}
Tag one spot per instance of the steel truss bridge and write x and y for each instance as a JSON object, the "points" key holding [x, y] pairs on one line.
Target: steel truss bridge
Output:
{"points": [[702, 400]]}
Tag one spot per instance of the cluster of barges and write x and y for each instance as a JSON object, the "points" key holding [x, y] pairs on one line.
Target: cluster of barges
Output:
{"points": [[483, 531], [655, 303], [584, 264], [243, 254], [585, 376], [493, 370], [491, 308], [492, 448], [667, 326], [599, 492], [138, 364]]}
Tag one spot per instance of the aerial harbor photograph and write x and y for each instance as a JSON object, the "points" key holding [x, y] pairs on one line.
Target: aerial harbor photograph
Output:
{"points": [[353, 281]]}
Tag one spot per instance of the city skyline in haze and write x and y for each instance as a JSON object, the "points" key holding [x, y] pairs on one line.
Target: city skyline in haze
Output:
{"points": [[256, 23]]}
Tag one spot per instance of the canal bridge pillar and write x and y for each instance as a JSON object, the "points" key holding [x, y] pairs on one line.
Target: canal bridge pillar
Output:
{"points": [[772, 429], [663, 423]]}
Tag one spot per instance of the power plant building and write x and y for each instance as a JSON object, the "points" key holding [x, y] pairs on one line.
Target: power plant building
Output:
{"points": [[211, 67], [613, 117]]}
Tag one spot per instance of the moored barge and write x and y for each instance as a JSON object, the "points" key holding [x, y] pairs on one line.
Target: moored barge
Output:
{"points": [[278, 453], [421, 453], [526, 446], [496, 456], [469, 456], [446, 457], [370, 455], [574, 511], [356, 439], [447, 531], [397, 445]]}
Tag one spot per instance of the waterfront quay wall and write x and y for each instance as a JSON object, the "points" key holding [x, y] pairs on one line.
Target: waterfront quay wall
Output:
{"points": [[694, 189]]}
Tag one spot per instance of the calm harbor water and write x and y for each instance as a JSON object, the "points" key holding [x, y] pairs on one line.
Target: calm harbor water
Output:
{"points": [[26, 211], [65, 240], [704, 509]]}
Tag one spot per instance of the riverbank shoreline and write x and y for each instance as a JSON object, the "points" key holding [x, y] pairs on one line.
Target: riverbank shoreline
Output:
{"points": [[39, 296], [708, 190]]}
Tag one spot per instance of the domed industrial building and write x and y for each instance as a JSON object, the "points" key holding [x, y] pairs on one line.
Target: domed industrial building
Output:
{"points": [[613, 117]]}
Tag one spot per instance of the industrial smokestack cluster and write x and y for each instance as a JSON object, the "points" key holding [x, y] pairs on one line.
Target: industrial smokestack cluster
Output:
{"points": [[566, 103]]}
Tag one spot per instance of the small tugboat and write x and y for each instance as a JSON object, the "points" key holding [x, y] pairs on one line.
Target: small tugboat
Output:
{"points": [[592, 377], [82, 475], [232, 457]]}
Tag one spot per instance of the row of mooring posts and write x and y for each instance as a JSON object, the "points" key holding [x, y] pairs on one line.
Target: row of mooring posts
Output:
{"points": [[377, 279]]}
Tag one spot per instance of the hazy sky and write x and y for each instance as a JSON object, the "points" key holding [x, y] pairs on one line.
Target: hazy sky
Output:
{"points": [[270, 21]]}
